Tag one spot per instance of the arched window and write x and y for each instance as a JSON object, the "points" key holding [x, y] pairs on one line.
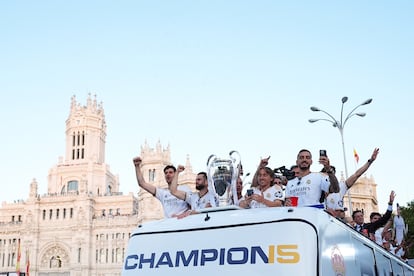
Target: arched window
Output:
{"points": [[73, 186], [55, 262]]}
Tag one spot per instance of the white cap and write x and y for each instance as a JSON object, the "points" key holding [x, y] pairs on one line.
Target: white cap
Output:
{"points": [[335, 201]]}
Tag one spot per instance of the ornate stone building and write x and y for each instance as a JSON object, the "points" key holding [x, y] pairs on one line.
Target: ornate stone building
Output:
{"points": [[364, 196], [82, 225]]}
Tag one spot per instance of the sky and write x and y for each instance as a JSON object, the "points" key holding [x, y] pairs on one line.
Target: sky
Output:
{"points": [[209, 77]]}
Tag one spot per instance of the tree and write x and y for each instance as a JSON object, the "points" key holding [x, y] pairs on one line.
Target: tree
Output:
{"points": [[408, 214]]}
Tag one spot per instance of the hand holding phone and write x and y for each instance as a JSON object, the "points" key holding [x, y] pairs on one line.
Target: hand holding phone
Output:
{"points": [[322, 153], [249, 192]]}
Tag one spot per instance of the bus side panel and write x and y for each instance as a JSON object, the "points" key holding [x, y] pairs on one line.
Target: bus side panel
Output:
{"points": [[284, 248], [338, 251]]}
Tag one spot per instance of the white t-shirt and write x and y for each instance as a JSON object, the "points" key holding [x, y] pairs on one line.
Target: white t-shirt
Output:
{"points": [[308, 189], [399, 226], [171, 204], [196, 202], [272, 193]]}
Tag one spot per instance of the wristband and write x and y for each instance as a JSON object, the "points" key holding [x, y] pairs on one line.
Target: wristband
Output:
{"points": [[370, 161], [390, 203]]}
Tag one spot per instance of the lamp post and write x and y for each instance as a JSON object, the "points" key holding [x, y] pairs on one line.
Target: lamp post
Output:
{"points": [[340, 124]]}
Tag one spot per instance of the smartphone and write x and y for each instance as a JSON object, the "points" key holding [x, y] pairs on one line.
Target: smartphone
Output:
{"points": [[322, 153], [249, 192]]}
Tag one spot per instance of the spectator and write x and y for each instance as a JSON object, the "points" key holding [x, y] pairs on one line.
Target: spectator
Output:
{"points": [[399, 226], [376, 220], [172, 206]]}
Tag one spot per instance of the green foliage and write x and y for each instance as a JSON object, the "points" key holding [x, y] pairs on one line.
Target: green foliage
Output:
{"points": [[408, 214]]}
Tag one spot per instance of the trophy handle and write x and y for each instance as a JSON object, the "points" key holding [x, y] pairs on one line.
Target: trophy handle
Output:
{"points": [[210, 159], [236, 160], [210, 180]]}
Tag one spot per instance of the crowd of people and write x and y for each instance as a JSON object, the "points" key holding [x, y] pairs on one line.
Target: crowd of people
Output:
{"points": [[317, 189]]}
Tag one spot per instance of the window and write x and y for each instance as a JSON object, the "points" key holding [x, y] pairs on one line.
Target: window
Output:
{"points": [[50, 213], [57, 213], [64, 212], [44, 214], [73, 186], [71, 212], [151, 175], [79, 254], [101, 255]]}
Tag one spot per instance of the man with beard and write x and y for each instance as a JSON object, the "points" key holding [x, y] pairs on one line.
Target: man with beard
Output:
{"points": [[308, 186], [201, 199]]}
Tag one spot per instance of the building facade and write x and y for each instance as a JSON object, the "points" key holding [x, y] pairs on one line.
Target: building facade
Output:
{"points": [[81, 226], [364, 196]]}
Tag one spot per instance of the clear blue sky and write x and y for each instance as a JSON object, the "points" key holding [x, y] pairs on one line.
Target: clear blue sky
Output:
{"points": [[208, 77]]}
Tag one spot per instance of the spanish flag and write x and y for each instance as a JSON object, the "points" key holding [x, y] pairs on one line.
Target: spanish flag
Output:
{"points": [[19, 255], [356, 156], [27, 263]]}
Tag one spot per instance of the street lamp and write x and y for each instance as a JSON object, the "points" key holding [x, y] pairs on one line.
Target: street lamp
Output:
{"points": [[340, 124]]}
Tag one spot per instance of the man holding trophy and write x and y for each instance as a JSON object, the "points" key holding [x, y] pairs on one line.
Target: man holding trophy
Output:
{"points": [[197, 200]]}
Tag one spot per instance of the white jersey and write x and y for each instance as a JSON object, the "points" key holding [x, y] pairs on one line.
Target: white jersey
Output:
{"points": [[171, 204], [378, 236], [399, 226], [196, 202], [335, 201], [308, 189], [272, 193]]}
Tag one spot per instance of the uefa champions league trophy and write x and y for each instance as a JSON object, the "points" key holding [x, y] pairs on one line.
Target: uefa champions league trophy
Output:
{"points": [[222, 177]]}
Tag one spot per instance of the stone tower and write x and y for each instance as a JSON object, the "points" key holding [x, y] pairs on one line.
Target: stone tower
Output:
{"points": [[81, 226], [85, 151]]}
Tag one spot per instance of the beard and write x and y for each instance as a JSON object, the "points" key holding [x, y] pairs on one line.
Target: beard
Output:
{"points": [[304, 166], [200, 186]]}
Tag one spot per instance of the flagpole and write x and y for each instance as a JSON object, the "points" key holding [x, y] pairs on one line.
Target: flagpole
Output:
{"points": [[340, 124]]}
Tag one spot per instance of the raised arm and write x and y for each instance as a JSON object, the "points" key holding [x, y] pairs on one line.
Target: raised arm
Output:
{"points": [[353, 178], [174, 184], [334, 183], [140, 178], [263, 163], [383, 220]]}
